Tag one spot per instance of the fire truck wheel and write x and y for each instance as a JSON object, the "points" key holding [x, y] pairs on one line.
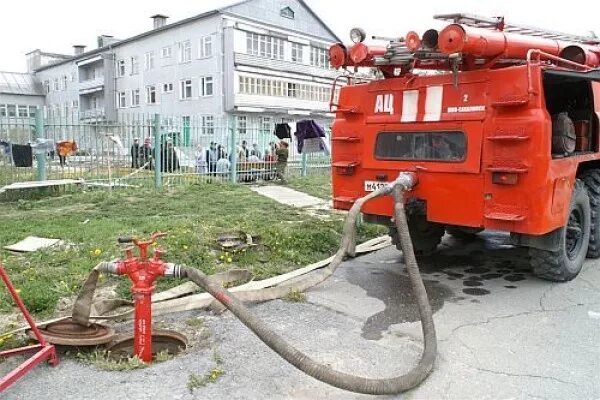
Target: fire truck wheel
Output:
{"points": [[565, 264], [592, 183], [425, 235], [463, 233]]}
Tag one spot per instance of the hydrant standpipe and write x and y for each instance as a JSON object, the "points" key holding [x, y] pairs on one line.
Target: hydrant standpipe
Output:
{"points": [[143, 272]]}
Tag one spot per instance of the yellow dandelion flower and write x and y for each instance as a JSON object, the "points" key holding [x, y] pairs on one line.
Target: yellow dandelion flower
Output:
{"points": [[229, 260], [97, 252]]}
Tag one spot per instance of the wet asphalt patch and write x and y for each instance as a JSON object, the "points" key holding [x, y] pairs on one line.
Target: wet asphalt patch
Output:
{"points": [[483, 265]]}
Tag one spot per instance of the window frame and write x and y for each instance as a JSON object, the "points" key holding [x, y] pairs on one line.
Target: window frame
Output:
{"points": [[204, 83], [135, 94], [185, 51], [443, 132], [149, 60], [203, 43], [150, 90], [184, 85], [135, 65], [121, 68]]}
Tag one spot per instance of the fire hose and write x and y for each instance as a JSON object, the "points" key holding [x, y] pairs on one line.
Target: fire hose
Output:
{"points": [[234, 303]]}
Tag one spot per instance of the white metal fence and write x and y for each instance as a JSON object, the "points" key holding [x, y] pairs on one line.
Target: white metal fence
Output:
{"points": [[143, 148]]}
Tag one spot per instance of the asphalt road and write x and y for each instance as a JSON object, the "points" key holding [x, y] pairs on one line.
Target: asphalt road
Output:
{"points": [[503, 334]]}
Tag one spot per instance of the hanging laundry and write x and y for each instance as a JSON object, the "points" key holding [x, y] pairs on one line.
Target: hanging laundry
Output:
{"points": [[22, 155], [308, 129], [283, 131], [4, 148]]}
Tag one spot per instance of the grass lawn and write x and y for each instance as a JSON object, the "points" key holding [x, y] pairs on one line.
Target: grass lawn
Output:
{"points": [[193, 216], [318, 185]]}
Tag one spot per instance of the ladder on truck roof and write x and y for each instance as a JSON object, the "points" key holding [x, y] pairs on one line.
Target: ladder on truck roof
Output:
{"points": [[498, 23]]}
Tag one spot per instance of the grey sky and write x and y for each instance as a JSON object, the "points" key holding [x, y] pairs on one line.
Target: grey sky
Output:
{"points": [[58, 24]]}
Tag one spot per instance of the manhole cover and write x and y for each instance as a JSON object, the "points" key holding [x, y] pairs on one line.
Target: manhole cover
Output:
{"points": [[162, 341], [68, 333]]}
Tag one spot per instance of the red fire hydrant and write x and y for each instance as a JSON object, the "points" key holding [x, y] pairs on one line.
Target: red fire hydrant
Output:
{"points": [[143, 272]]}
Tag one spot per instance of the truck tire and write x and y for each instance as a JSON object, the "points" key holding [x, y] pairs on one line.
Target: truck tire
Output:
{"points": [[565, 264], [463, 233], [425, 235], [591, 179]]}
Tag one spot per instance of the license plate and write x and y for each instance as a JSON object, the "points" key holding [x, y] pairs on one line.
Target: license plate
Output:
{"points": [[371, 186]]}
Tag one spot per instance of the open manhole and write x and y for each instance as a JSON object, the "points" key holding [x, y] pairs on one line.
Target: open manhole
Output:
{"points": [[163, 341], [69, 333]]}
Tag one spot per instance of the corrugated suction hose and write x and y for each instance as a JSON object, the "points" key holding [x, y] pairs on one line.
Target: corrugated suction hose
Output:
{"points": [[320, 371]]}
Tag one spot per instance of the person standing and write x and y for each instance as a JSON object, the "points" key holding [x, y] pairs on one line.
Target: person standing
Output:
{"points": [[135, 154], [146, 154], [212, 156], [169, 162], [201, 165], [282, 154]]}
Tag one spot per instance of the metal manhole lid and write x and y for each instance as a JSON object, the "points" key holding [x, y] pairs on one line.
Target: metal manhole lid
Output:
{"points": [[69, 333]]}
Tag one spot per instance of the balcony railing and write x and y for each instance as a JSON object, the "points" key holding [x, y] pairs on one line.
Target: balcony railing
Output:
{"points": [[93, 113], [97, 82]]}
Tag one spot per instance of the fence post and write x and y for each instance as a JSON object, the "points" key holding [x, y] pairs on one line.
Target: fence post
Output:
{"points": [[304, 170], [40, 151], [157, 152], [233, 150]]}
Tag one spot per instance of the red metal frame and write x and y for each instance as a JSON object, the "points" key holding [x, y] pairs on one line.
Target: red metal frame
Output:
{"points": [[43, 351]]}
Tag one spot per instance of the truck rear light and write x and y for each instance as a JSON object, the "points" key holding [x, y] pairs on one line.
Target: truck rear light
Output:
{"points": [[345, 167], [505, 178]]}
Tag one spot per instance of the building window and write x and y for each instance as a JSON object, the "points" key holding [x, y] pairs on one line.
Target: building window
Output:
{"points": [[46, 87], [279, 88], [292, 90], [12, 110], [205, 48], [166, 52], [135, 98], [167, 87], [297, 52], [242, 124], [185, 51], [65, 81], [287, 12], [121, 100], [319, 57], [121, 68], [135, 66], [208, 125], [151, 94], [23, 111], [56, 84], [149, 60], [206, 86], [75, 104], [3, 110], [32, 111], [264, 46], [266, 125], [185, 89]]}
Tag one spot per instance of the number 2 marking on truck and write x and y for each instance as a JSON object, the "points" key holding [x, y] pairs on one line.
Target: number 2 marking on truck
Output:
{"points": [[384, 103]]}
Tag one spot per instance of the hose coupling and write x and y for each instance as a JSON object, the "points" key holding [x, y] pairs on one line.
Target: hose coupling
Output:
{"points": [[108, 268], [173, 271], [406, 180]]}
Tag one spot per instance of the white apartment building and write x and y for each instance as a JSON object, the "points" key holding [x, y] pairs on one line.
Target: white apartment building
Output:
{"points": [[257, 62]]}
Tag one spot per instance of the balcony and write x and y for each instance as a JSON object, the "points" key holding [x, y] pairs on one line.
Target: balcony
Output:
{"points": [[93, 113], [91, 85], [282, 65]]}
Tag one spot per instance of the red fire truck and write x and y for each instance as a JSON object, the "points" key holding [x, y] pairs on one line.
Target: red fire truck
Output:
{"points": [[501, 124]]}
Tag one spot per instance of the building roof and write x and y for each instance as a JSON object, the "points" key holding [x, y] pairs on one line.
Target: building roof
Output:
{"points": [[19, 83], [167, 27]]}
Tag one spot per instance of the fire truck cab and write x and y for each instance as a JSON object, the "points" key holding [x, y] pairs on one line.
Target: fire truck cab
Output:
{"points": [[501, 128]]}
